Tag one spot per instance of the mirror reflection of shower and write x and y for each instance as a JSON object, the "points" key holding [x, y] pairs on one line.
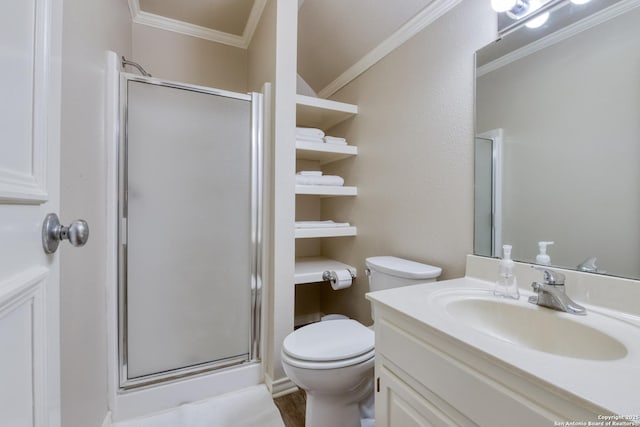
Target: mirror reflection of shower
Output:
{"points": [[488, 170]]}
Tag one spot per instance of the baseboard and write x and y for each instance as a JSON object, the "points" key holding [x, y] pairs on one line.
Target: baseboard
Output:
{"points": [[280, 387], [107, 420]]}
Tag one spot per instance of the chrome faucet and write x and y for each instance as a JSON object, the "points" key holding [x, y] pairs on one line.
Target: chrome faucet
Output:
{"points": [[551, 293]]}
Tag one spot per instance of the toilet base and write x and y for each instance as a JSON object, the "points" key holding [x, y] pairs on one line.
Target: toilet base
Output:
{"points": [[331, 410]]}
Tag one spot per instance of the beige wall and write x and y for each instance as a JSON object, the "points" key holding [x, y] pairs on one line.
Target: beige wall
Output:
{"points": [[272, 58], [283, 184], [414, 169], [261, 70], [570, 119], [90, 28], [173, 56], [261, 54]]}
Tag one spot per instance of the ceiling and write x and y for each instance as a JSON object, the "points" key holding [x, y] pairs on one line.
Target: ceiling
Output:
{"points": [[228, 16], [337, 39], [334, 34], [231, 22]]}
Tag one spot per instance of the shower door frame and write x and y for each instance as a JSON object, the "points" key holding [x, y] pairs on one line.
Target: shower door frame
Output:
{"points": [[256, 233]]}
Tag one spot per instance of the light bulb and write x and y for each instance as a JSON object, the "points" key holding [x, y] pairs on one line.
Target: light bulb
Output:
{"points": [[538, 21], [520, 9], [503, 5], [580, 1]]}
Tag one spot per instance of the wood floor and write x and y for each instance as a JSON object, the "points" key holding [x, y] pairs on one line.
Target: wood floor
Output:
{"points": [[292, 407]]}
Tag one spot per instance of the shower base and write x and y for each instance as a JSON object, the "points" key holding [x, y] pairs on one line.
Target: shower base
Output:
{"points": [[249, 407]]}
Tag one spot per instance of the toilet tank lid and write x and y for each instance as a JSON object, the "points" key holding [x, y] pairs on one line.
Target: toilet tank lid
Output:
{"points": [[403, 267]]}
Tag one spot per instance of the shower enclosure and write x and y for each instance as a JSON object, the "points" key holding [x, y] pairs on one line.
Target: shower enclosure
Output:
{"points": [[488, 166], [190, 165]]}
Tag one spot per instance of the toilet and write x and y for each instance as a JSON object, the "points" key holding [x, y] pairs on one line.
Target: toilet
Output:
{"points": [[333, 360]]}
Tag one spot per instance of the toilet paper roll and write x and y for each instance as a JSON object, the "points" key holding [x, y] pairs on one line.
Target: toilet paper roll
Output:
{"points": [[340, 279]]}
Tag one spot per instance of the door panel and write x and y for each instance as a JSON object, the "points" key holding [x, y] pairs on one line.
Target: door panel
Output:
{"points": [[24, 60], [30, 37], [188, 213], [22, 330]]}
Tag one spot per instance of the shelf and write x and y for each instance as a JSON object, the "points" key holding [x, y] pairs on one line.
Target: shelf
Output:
{"points": [[310, 269], [307, 233], [324, 153], [326, 190], [322, 113]]}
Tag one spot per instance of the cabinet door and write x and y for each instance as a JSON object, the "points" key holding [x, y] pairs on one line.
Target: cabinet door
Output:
{"points": [[399, 405]]}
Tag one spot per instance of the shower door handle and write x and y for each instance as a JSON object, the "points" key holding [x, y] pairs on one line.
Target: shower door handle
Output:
{"points": [[53, 232]]}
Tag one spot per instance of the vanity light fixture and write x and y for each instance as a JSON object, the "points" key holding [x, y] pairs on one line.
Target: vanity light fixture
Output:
{"points": [[540, 20], [515, 8], [531, 13], [502, 5]]}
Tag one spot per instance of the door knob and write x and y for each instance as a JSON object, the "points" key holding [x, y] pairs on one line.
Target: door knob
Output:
{"points": [[53, 232]]}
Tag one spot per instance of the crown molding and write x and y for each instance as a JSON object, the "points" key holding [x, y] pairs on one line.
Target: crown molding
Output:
{"points": [[134, 7], [164, 23], [426, 16], [560, 35], [253, 21], [152, 20]]}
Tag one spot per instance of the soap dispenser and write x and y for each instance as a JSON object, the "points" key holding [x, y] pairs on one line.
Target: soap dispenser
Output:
{"points": [[542, 258], [506, 285]]}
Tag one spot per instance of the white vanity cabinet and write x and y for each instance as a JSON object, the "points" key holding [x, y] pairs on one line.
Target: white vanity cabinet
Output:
{"points": [[425, 377]]}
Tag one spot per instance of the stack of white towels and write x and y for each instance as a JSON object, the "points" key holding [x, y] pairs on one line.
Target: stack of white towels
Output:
{"points": [[317, 135], [321, 224], [317, 178]]}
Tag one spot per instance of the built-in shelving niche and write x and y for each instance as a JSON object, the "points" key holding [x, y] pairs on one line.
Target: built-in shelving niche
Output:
{"points": [[310, 269], [322, 114]]}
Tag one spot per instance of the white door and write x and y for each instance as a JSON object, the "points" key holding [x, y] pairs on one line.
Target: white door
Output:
{"points": [[30, 47]]}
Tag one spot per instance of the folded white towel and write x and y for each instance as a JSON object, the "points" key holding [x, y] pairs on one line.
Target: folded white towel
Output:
{"points": [[321, 224], [310, 173], [335, 140], [309, 139], [320, 180], [318, 133]]}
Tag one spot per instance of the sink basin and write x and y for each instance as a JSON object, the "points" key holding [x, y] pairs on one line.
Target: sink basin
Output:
{"points": [[534, 327]]}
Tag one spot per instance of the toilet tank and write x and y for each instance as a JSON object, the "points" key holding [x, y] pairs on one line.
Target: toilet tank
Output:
{"points": [[386, 272]]}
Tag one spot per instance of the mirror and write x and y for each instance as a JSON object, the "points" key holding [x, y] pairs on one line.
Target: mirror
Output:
{"points": [[563, 108]]}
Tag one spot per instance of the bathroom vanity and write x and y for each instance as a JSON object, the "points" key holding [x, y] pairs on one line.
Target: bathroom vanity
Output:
{"points": [[451, 353]]}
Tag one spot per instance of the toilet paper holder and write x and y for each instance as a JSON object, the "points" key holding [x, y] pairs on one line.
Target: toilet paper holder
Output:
{"points": [[330, 275]]}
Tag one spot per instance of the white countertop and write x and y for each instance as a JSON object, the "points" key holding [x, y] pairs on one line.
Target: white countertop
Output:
{"points": [[613, 385]]}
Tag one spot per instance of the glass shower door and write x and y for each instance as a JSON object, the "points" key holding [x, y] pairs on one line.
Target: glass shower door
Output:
{"points": [[487, 239], [188, 230], [483, 197]]}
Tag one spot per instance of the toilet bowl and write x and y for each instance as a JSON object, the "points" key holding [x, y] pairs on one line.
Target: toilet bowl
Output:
{"points": [[333, 360]]}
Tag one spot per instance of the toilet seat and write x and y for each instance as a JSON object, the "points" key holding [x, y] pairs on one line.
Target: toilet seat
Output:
{"points": [[335, 364], [329, 345]]}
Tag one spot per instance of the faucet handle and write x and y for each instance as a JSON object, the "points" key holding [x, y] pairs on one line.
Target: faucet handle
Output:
{"points": [[588, 265], [550, 277]]}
